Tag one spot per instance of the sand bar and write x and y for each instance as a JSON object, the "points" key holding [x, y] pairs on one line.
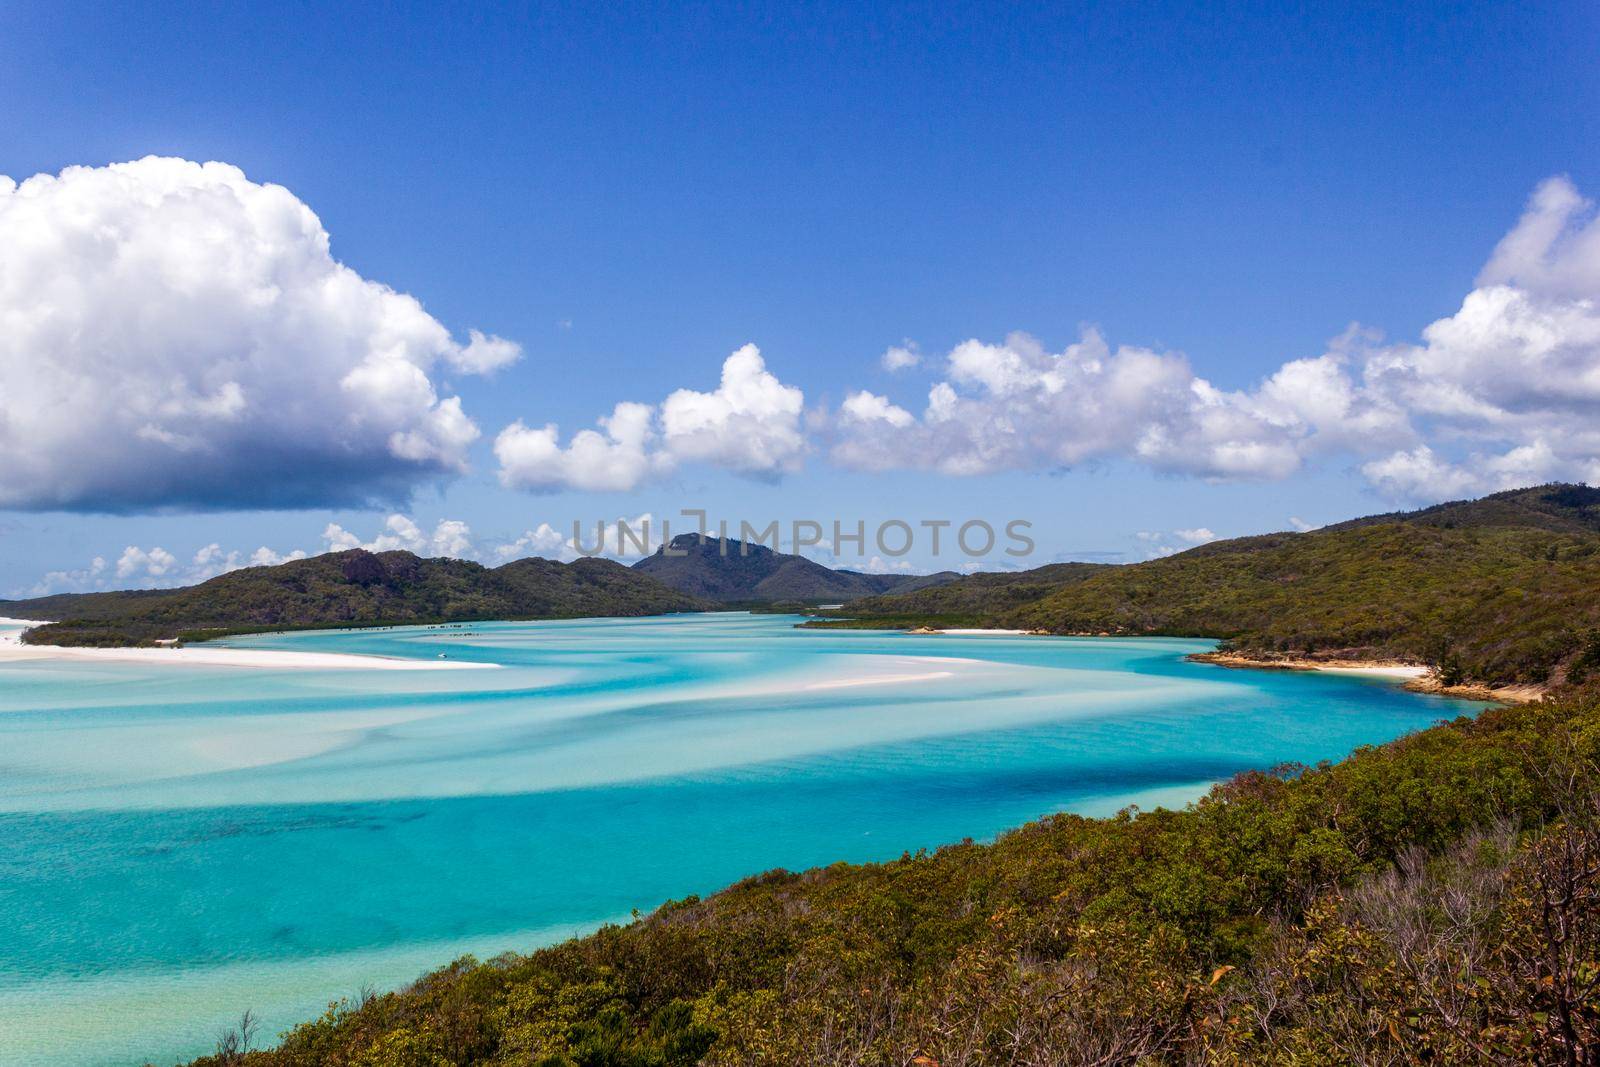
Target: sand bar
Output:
{"points": [[12, 649], [881, 679]]}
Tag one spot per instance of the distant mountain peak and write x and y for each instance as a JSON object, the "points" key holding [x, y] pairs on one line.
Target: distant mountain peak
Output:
{"points": [[709, 544], [731, 571]]}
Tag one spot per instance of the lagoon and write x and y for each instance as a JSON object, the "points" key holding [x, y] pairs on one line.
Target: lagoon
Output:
{"points": [[179, 843]]}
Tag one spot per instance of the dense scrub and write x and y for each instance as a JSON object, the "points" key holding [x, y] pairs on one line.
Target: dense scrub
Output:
{"points": [[1496, 591], [355, 587], [1437, 898], [979, 599]]}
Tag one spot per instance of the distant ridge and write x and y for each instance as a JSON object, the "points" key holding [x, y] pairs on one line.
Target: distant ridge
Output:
{"points": [[1557, 507], [350, 588], [730, 571], [357, 587], [1498, 591]]}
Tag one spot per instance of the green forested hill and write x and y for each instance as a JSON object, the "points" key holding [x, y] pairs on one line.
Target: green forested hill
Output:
{"points": [[1434, 900], [977, 599], [1558, 508], [1500, 590], [354, 587]]}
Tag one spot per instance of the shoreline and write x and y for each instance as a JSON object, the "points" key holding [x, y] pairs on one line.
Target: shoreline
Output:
{"points": [[968, 631], [12, 650], [1415, 676]]}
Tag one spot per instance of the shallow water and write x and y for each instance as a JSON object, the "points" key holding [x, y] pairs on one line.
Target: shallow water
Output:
{"points": [[178, 844]]}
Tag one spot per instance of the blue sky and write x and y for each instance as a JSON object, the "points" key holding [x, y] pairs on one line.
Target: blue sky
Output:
{"points": [[631, 195]]}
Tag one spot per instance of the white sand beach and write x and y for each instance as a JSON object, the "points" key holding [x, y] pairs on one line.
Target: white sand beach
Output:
{"points": [[1405, 672], [1392, 670], [12, 649]]}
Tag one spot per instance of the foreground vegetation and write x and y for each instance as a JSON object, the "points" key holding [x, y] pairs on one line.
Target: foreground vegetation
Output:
{"points": [[1434, 899], [1495, 591], [352, 588]]}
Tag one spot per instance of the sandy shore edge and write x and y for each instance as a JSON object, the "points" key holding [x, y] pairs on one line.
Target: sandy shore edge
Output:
{"points": [[1415, 676], [972, 631], [12, 649]]}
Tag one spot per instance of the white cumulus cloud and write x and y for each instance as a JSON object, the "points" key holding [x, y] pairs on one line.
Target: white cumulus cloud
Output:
{"points": [[1501, 393], [900, 356], [1506, 390], [69, 581], [450, 537], [1016, 405], [750, 424], [177, 335], [155, 563], [155, 568], [623, 453], [865, 407], [544, 540], [621, 538]]}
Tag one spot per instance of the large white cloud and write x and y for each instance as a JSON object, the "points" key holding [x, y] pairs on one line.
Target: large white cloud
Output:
{"points": [[1016, 405], [620, 455], [173, 334], [1504, 392], [750, 424]]}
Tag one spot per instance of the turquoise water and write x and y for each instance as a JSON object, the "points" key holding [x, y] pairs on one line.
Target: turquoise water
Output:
{"points": [[179, 843]]}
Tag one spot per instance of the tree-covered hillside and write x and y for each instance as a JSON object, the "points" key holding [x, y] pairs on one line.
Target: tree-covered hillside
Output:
{"points": [[975, 600], [1497, 591], [354, 587], [1433, 900]]}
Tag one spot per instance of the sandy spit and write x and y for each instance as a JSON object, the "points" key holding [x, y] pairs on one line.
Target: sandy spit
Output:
{"points": [[12, 649], [880, 679], [928, 631]]}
